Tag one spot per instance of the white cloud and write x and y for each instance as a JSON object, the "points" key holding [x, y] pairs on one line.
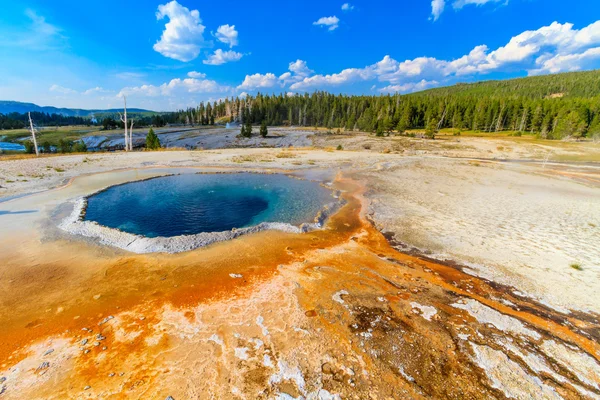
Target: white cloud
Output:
{"points": [[300, 68], [347, 7], [198, 75], [567, 62], [221, 57], [183, 37], [409, 87], [61, 89], [458, 4], [95, 90], [175, 87], [437, 8], [347, 76], [259, 81], [227, 34], [331, 23], [553, 48]]}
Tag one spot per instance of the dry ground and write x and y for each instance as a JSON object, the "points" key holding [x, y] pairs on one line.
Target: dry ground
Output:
{"points": [[341, 313]]}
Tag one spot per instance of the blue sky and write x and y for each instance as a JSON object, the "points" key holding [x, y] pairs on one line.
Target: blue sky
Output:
{"points": [[166, 55]]}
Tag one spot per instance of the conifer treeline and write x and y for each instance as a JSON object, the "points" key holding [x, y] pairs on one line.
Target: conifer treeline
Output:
{"points": [[554, 106], [16, 120]]}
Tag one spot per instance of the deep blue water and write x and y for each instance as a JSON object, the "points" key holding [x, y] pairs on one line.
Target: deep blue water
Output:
{"points": [[193, 203]]}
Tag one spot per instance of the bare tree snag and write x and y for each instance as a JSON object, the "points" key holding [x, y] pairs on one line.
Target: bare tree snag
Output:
{"points": [[37, 151], [124, 120], [131, 136]]}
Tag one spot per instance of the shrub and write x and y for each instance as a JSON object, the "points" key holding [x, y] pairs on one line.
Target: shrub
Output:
{"points": [[339, 147], [80, 147], [29, 147]]}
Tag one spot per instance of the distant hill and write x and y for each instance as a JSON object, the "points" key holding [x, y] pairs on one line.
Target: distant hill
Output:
{"points": [[571, 84], [19, 107]]}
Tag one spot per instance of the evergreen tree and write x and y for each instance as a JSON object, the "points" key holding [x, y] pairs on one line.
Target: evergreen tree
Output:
{"points": [[152, 141], [431, 129], [263, 129], [248, 128]]}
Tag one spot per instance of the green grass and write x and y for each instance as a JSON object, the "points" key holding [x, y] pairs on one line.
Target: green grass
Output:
{"points": [[576, 266], [51, 135]]}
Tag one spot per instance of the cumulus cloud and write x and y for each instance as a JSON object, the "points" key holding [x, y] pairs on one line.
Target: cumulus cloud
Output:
{"points": [[227, 34], [183, 37], [175, 87], [259, 81], [409, 87], [300, 68], [221, 57], [437, 8], [331, 23], [347, 7], [194, 74], [297, 71], [566, 62], [550, 49]]}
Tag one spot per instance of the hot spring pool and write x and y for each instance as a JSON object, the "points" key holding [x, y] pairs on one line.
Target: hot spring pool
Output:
{"points": [[189, 204]]}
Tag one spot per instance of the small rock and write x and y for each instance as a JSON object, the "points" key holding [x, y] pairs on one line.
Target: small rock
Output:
{"points": [[142, 318], [84, 342], [3, 379], [327, 368], [111, 374], [86, 351], [96, 344], [169, 398], [105, 320], [43, 365], [100, 337], [48, 352], [104, 348], [87, 387]]}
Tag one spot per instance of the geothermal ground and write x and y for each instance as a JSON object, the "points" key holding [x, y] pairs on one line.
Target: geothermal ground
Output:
{"points": [[460, 268]]}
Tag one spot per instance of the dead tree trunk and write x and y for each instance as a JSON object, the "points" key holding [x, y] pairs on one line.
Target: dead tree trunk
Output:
{"points": [[37, 151], [124, 120], [499, 123], [523, 120], [131, 136], [441, 122]]}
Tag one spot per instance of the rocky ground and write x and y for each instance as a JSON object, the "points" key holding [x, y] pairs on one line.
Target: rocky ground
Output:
{"points": [[484, 283]]}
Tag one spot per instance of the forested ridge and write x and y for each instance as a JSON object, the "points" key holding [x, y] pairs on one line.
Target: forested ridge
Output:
{"points": [[552, 106]]}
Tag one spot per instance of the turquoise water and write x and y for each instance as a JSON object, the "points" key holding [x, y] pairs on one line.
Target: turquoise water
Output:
{"points": [[11, 146], [193, 203]]}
